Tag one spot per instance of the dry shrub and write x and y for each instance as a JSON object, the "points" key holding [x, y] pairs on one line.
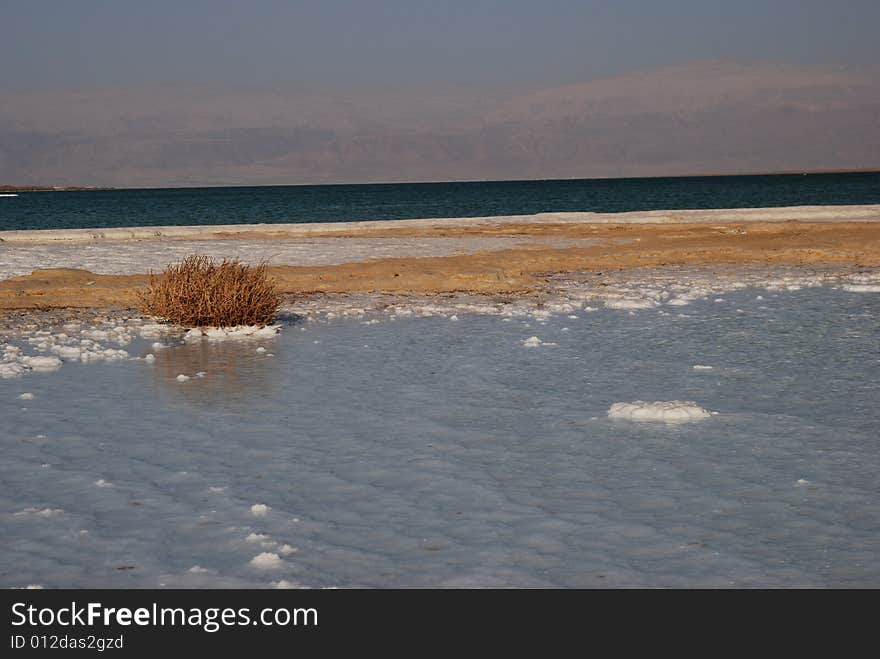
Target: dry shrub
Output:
{"points": [[198, 293]]}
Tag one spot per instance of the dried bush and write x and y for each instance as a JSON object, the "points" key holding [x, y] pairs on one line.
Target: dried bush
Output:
{"points": [[198, 293]]}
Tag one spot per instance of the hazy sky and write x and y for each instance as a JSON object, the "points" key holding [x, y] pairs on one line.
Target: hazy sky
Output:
{"points": [[68, 44]]}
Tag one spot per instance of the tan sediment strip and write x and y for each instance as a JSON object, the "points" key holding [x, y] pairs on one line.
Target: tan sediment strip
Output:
{"points": [[619, 245], [552, 223]]}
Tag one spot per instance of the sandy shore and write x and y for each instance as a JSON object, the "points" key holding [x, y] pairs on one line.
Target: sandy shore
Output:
{"points": [[526, 250]]}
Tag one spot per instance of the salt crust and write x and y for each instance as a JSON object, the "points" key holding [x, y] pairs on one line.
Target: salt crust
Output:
{"points": [[672, 412]]}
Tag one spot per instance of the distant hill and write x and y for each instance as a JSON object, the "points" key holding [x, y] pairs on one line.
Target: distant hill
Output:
{"points": [[709, 117]]}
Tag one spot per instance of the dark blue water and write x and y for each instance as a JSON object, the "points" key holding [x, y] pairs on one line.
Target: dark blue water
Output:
{"points": [[342, 203]]}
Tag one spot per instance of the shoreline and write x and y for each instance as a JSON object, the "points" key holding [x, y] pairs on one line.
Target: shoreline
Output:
{"points": [[847, 213], [543, 246]]}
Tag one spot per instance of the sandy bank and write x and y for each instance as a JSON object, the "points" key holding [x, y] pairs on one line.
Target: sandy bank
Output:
{"points": [[523, 269]]}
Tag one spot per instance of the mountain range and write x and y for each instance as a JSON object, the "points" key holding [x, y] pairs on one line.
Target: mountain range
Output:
{"points": [[704, 117]]}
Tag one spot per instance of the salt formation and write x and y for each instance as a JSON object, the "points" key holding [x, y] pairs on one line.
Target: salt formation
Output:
{"points": [[267, 561], [862, 288], [863, 282], [39, 512], [673, 411], [240, 332]]}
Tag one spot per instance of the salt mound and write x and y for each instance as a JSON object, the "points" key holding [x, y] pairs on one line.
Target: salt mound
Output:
{"points": [[44, 364], [673, 411], [240, 332], [267, 561], [638, 303]]}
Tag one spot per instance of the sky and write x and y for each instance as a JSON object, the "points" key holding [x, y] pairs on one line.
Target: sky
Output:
{"points": [[228, 92], [102, 43]]}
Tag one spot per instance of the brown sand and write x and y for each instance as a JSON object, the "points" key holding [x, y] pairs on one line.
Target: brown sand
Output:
{"points": [[618, 247]]}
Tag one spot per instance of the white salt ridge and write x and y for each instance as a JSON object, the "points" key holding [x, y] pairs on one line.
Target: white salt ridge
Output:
{"points": [[26, 396], [672, 412], [267, 561], [39, 512], [861, 288], [256, 537], [102, 483], [633, 303], [702, 367], [197, 569], [260, 509], [239, 332], [41, 364], [286, 549], [12, 370], [532, 342], [182, 378], [88, 351]]}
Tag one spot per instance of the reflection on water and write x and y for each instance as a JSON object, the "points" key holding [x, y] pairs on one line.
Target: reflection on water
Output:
{"points": [[227, 374]]}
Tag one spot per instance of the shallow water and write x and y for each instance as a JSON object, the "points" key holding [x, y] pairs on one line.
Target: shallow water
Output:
{"points": [[440, 452]]}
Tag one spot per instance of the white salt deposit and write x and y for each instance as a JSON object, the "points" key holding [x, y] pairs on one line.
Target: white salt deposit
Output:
{"points": [[532, 342], [267, 561], [635, 303], [258, 538], [41, 364], [239, 332], [197, 569], [40, 512], [26, 396], [154, 330], [286, 550], [862, 288], [260, 509], [182, 378], [701, 367], [673, 412]]}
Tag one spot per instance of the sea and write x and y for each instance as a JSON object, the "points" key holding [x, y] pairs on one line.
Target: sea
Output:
{"points": [[402, 201]]}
